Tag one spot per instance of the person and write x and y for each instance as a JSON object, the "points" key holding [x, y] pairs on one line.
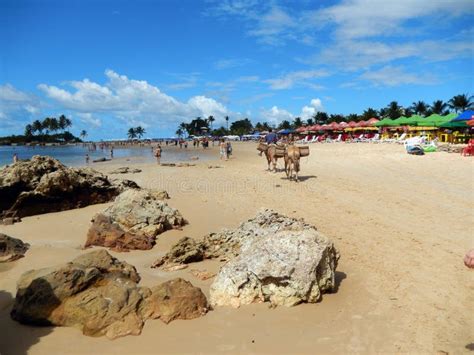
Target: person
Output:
{"points": [[223, 149], [229, 149], [111, 152], [87, 159], [271, 137], [185, 144], [158, 154], [15, 158]]}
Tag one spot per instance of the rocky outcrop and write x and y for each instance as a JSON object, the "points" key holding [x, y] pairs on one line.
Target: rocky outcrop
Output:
{"points": [[176, 299], [133, 221], [185, 251], [100, 295], [125, 170], [11, 248], [43, 184], [286, 268]]}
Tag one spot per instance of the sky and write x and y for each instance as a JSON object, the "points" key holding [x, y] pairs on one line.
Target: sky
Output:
{"points": [[111, 65]]}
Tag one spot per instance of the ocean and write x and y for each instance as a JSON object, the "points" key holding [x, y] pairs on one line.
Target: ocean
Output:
{"points": [[74, 155]]}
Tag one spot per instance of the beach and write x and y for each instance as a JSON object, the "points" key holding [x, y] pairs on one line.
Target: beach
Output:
{"points": [[401, 223]]}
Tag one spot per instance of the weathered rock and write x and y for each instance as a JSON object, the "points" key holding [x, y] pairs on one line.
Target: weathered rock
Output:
{"points": [[176, 299], [11, 248], [185, 251], [125, 170], [133, 221], [100, 295], [202, 275], [43, 184], [285, 268]]}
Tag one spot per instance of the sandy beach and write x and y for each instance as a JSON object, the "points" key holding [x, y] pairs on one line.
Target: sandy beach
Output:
{"points": [[402, 225]]}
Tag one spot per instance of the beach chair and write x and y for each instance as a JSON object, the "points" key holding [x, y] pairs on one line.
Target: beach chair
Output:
{"points": [[402, 139], [375, 138], [469, 150]]}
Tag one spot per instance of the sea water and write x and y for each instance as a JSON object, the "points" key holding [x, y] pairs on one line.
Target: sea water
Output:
{"points": [[74, 155]]}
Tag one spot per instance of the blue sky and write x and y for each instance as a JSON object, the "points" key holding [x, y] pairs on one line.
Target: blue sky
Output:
{"points": [[111, 65]]}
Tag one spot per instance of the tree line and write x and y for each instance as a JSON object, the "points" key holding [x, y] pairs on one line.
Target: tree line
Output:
{"points": [[393, 110], [136, 132]]}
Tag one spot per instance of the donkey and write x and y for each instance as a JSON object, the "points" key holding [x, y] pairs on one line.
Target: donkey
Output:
{"points": [[292, 161], [270, 154]]}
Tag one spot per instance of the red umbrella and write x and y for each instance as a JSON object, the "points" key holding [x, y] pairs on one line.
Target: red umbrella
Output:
{"points": [[343, 124], [301, 129], [352, 124], [335, 125], [361, 124], [470, 122], [325, 127], [315, 128], [372, 121]]}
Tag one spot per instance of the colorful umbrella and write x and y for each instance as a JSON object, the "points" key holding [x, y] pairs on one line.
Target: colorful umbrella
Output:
{"points": [[352, 124], [465, 116], [470, 122], [372, 121], [361, 124]]}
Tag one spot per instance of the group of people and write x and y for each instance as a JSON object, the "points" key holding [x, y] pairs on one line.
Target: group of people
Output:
{"points": [[225, 149]]}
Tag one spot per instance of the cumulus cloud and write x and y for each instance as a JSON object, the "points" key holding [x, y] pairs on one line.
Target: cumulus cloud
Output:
{"points": [[130, 100], [276, 115], [16, 105]]}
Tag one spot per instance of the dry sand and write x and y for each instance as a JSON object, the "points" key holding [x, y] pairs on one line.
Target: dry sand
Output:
{"points": [[402, 224]]}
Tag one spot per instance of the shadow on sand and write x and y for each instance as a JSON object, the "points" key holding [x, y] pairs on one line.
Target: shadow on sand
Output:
{"points": [[339, 277], [15, 338]]}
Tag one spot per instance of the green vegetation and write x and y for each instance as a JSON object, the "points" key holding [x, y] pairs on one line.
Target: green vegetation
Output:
{"points": [[44, 132], [136, 132]]}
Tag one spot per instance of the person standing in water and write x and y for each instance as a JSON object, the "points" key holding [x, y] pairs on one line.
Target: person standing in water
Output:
{"points": [[15, 158], [158, 154], [87, 159], [111, 152]]}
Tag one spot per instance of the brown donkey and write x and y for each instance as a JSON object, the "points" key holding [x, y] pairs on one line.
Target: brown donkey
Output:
{"points": [[292, 161]]}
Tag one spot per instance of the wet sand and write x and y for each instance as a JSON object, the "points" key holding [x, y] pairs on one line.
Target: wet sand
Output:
{"points": [[402, 225]]}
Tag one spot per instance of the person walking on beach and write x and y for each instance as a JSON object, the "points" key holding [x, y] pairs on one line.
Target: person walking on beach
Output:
{"points": [[158, 154], [15, 158], [223, 150], [228, 149]]}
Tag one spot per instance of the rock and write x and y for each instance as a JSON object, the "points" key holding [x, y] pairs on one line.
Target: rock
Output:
{"points": [[185, 251], [100, 295], [125, 170], [273, 258], [43, 184], [202, 274], [10, 220], [171, 268], [11, 248], [133, 221], [177, 299], [214, 166], [284, 268]]}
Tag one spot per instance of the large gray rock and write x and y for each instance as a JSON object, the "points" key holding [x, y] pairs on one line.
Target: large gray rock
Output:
{"points": [[11, 248], [100, 295], [133, 221], [42, 184], [275, 258]]}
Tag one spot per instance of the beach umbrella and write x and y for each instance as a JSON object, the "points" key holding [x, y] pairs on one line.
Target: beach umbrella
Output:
{"points": [[325, 127], [343, 125], [465, 116], [301, 129], [352, 124], [361, 124], [285, 131], [454, 124], [470, 122], [335, 126], [385, 123], [372, 121]]}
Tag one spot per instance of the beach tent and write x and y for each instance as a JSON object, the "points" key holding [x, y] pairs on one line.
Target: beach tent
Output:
{"points": [[385, 122], [400, 121], [434, 120], [465, 116]]}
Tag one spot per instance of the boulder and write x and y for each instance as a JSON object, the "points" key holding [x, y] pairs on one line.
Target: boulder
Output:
{"points": [[272, 258], [185, 251], [176, 299], [43, 184], [11, 248], [133, 221], [100, 295]]}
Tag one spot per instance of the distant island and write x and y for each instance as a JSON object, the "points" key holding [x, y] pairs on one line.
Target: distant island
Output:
{"points": [[50, 130]]}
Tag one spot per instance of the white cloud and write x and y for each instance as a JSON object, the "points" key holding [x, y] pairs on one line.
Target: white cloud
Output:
{"points": [[395, 76], [368, 18], [131, 100], [297, 78], [88, 120], [276, 115], [231, 63], [16, 103], [314, 107]]}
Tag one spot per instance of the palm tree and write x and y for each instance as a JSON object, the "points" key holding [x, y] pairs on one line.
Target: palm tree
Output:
{"points": [[353, 117], [46, 124], [140, 131], [211, 119], [183, 127], [439, 107], [297, 122], [179, 132], [394, 110], [28, 130], [461, 102], [419, 107], [54, 124], [38, 126], [309, 122], [131, 133], [370, 113], [83, 134], [227, 120]]}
